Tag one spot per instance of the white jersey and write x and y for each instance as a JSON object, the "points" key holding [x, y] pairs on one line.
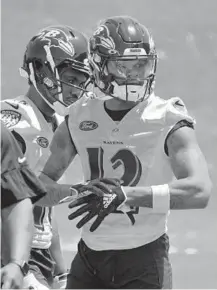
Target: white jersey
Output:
{"points": [[22, 116], [132, 150]]}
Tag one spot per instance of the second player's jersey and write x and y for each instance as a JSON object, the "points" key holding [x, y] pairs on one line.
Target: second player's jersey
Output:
{"points": [[22, 116], [132, 150]]}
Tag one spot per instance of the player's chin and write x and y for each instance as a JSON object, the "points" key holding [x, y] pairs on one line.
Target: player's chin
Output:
{"points": [[71, 100]]}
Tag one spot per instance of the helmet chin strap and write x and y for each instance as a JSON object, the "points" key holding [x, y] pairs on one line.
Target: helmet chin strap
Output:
{"points": [[131, 93], [59, 108]]}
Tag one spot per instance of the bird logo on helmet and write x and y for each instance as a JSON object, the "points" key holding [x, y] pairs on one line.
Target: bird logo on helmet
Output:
{"points": [[57, 38], [102, 38]]}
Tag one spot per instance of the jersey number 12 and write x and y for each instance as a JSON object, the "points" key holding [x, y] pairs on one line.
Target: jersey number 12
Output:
{"points": [[124, 157]]}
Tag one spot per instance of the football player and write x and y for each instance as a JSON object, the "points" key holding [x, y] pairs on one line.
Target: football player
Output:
{"points": [[132, 144], [16, 209], [55, 66]]}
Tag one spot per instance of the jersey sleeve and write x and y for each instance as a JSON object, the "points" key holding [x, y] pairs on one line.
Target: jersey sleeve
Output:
{"points": [[11, 115], [17, 180], [17, 118], [177, 116]]}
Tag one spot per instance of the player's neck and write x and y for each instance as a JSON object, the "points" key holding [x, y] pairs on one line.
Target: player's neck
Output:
{"points": [[34, 96], [118, 105]]}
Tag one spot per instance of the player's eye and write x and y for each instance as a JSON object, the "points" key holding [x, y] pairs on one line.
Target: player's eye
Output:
{"points": [[72, 81]]}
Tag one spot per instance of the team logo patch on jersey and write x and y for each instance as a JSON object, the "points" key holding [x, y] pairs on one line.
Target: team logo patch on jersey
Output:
{"points": [[88, 125], [42, 141], [10, 117]]}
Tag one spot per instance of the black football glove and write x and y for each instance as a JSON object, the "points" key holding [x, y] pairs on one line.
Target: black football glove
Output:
{"points": [[107, 196]]}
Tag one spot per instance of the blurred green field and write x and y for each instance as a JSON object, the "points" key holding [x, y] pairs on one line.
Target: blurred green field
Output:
{"points": [[185, 33]]}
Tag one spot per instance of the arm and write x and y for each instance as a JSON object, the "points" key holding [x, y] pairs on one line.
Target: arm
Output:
{"points": [[63, 152], [17, 224], [55, 249], [17, 229], [192, 188]]}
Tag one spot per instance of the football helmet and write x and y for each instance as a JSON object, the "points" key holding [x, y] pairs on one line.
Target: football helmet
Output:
{"points": [[52, 49], [123, 58]]}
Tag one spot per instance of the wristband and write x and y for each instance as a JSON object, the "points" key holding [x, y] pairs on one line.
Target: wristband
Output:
{"points": [[161, 198]]}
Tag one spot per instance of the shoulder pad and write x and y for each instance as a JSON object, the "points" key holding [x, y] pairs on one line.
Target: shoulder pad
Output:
{"points": [[10, 113], [16, 116], [177, 111]]}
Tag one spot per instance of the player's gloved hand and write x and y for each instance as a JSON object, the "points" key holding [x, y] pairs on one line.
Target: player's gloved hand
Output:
{"points": [[77, 191], [107, 196]]}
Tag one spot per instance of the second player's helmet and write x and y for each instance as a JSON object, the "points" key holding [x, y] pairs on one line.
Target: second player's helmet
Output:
{"points": [[123, 58], [53, 48]]}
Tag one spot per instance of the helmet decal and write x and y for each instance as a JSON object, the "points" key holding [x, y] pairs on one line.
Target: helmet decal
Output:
{"points": [[103, 38], [52, 63], [51, 36]]}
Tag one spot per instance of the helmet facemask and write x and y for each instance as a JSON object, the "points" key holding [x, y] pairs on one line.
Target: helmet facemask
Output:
{"points": [[129, 78]]}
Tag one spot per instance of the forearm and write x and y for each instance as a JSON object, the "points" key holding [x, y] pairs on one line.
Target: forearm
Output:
{"points": [[18, 229], [55, 192], [56, 251], [184, 194]]}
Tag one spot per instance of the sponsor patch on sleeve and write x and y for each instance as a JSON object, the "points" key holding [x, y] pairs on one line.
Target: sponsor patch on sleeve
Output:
{"points": [[10, 118]]}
